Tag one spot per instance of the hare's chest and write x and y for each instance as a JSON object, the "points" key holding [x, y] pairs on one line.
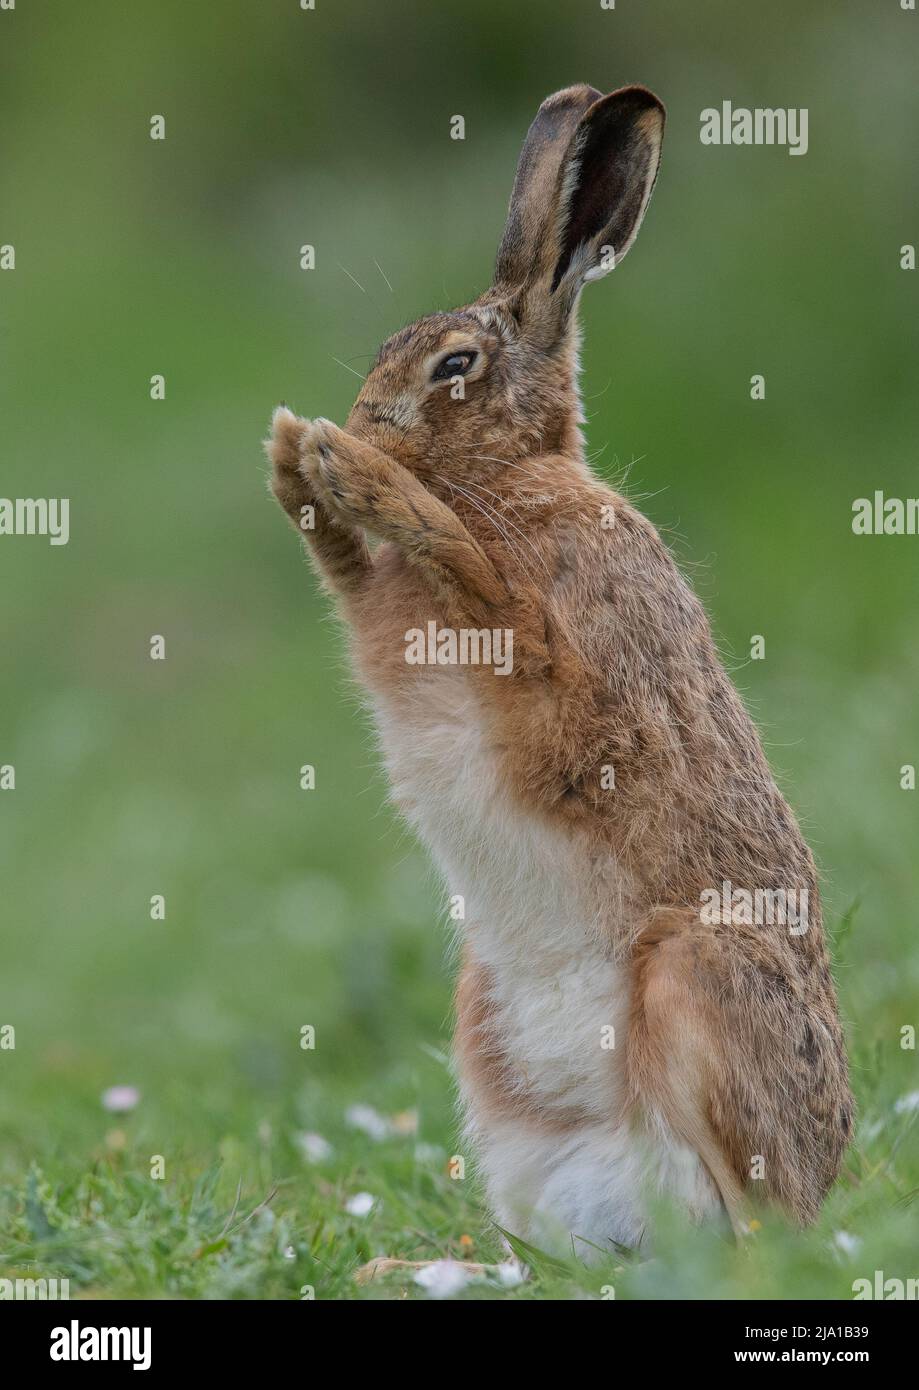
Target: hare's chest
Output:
{"points": [[536, 913], [443, 770]]}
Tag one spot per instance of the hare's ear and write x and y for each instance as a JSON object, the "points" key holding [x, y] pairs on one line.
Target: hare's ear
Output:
{"points": [[536, 183], [576, 223]]}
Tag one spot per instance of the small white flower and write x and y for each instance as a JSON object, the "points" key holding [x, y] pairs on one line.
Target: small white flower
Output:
{"points": [[361, 1204], [443, 1278], [908, 1103], [510, 1274], [314, 1148], [290, 1253], [846, 1243], [368, 1120], [119, 1099]]}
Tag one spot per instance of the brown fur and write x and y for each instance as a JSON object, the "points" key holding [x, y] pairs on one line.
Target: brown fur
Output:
{"points": [[489, 516], [499, 1080]]}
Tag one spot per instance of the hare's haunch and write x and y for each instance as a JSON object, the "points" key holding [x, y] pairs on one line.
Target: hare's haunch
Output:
{"points": [[645, 1003]]}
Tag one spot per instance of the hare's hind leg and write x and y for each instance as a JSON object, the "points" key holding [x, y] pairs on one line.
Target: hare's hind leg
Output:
{"points": [[672, 1051], [735, 1045]]}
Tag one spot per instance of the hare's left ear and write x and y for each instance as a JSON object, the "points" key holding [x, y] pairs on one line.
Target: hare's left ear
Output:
{"points": [[607, 180], [604, 181]]}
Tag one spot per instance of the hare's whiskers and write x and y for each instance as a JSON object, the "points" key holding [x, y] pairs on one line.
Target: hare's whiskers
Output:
{"points": [[384, 275], [353, 279], [482, 507], [490, 458], [357, 282], [522, 534], [346, 367]]}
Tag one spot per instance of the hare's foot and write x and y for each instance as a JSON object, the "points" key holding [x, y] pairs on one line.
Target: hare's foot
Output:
{"points": [[288, 482], [351, 477], [339, 549]]}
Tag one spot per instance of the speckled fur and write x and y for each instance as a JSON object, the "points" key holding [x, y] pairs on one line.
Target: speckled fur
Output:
{"points": [[582, 901]]}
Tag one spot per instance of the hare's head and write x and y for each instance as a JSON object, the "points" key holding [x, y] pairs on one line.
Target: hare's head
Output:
{"points": [[460, 393]]}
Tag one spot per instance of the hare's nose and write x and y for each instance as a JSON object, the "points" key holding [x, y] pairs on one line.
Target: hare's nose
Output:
{"points": [[376, 413]]}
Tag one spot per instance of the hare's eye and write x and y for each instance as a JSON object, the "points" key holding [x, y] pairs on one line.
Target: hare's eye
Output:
{"points": [[457, 364]]}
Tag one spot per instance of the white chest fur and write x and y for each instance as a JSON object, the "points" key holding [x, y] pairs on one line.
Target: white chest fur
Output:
{"points": [[535, 913], [542, 917]]}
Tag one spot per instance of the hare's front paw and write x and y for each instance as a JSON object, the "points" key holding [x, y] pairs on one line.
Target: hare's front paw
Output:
{"points": [[346, 473], [289, 483]]}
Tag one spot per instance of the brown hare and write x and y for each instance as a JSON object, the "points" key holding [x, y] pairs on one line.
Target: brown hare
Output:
{"points": [[639, 1010]]}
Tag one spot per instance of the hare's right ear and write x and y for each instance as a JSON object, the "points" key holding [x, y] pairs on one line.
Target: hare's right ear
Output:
{"points": [[584, 180]]}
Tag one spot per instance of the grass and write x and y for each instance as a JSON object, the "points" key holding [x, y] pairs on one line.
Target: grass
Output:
{"points": [[241, 1213]]}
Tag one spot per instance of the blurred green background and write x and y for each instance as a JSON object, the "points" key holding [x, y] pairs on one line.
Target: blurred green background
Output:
{"points": [[135, 777]]}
